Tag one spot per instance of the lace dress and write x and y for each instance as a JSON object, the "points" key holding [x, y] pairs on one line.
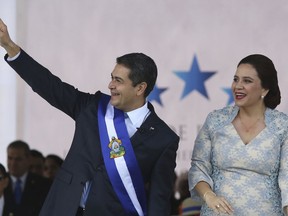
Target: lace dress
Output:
{"points": [[254, 177]]}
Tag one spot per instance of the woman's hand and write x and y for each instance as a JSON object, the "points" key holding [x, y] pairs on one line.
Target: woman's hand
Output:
{"points": [[285, 209], [217, 203]]}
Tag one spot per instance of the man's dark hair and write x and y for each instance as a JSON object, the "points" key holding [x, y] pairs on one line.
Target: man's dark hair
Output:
{"points": [[19, 144], [142, 69], [55, 158], [37, 154]]}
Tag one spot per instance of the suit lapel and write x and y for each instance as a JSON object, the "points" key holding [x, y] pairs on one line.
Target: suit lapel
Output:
{"points": [[146, 130]]}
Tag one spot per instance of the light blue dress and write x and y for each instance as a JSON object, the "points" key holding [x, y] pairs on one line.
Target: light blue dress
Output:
{"points": [[254, 177]]}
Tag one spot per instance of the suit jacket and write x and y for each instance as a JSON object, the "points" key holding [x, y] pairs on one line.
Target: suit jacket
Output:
{"points": [[34, 194], [155, 151]]}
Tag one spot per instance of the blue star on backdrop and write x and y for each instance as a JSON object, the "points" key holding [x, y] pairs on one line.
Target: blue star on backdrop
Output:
{"points": [[155, 94], [230, 94], [194, 79]]}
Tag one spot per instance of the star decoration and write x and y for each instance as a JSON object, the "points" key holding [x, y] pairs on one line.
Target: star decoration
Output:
{"points": [[230, 94], [155, 94], [194, 79]]}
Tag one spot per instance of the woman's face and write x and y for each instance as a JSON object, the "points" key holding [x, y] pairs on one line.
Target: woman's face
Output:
{"points": [[246, 87]]}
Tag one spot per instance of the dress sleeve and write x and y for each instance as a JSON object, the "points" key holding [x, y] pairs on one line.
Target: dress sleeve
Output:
{"points": [[201, 168], [283, 172]]}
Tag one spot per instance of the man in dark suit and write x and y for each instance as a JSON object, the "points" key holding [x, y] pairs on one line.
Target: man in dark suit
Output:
{"points": [[122, 158], [32, 188]]}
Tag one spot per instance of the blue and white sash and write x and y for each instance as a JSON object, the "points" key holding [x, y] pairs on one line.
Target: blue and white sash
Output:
{"points": [[119, 158]]}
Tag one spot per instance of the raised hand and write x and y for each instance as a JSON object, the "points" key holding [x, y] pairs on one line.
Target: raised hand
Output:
{"points": [[5, 41]]}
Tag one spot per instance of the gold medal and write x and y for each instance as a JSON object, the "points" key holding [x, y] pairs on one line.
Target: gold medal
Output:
{"points": [[117, 150]]}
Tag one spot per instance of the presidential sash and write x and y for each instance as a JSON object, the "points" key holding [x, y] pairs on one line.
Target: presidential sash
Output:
{"points": [[119, 158]]}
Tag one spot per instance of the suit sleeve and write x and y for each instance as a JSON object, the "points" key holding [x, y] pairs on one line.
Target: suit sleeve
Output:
{"points": [[59, 94], [162, 180]]}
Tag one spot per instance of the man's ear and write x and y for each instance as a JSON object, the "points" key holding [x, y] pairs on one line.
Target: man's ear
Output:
{"points": [[141, 87]]}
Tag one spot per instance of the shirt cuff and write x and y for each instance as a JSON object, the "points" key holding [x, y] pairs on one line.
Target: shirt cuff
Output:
{"points": [[14, 57]]}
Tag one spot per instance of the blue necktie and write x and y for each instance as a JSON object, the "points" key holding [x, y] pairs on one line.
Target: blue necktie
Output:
{"points": [[18, 191], [130, 128]]}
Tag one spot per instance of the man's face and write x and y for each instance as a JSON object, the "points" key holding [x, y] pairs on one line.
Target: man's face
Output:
{"points": [[124, 95], [36, 165], [50, 168], [18, 161]]}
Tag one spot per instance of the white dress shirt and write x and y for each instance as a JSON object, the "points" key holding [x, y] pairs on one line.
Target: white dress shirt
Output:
{"points": [[14, 179], [136, 118], [23, 180]]}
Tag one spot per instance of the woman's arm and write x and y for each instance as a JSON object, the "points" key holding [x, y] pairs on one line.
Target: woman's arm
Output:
{"points": [[204, 190], [285, 209], [218, 204]]}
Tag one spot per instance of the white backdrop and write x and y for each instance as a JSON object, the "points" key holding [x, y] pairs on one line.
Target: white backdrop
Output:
{"points": [[7, 85], [79, 41]]}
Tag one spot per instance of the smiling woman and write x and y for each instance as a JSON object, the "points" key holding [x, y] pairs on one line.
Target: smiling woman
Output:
{"points": [[239, 162], [249, 95]]}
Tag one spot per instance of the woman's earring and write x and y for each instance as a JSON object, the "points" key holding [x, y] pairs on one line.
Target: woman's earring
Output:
{"points": [[262, 96]]}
